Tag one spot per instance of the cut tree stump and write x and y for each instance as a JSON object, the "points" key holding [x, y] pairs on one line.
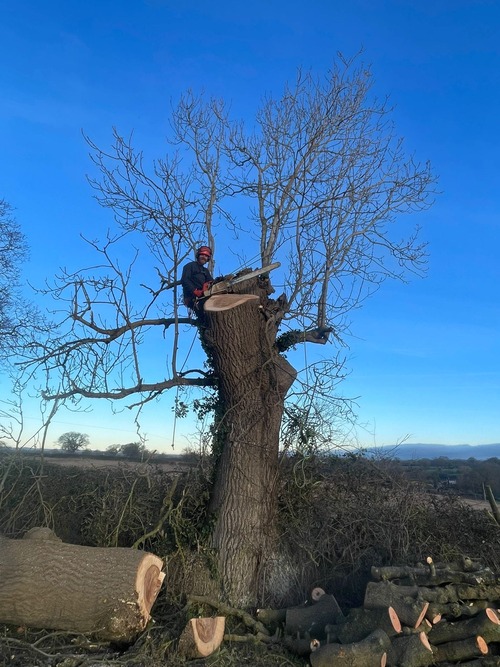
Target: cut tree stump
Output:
{"points": [[46, 583], [201, 637], [228, 301], [370, 652]]}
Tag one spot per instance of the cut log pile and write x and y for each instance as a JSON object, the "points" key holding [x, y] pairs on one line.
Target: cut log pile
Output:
{"points": [[431, 614]]}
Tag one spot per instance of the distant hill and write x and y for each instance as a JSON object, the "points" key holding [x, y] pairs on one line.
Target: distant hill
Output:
{"points": [[408, 452]]}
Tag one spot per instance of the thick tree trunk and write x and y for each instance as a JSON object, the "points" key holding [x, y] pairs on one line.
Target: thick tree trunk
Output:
{"points": [[108, 592], [253, 380]]}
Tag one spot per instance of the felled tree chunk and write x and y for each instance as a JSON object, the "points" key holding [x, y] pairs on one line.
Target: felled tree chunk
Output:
{"points": [[201, 637], [474, 647], [48, 584], [369, 652], [311, 620], [486, 624], [360, 623], [411, 651], [404, 600]]}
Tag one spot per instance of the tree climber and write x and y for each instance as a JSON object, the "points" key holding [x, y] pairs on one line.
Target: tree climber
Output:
{"points": [[195, 275]]}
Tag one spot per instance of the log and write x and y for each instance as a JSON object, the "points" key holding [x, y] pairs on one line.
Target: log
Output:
{"points": [[370, 652], [311, 620], [474, 647], [410, 610], [486, 624], [201, 637], [456, 609], [360, 623], [437, 594], [433, 576], [48, 584], [228, 301], [411, 651]]}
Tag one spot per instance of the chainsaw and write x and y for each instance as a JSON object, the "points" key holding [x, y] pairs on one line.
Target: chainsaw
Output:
{"points": [[211, 288]]}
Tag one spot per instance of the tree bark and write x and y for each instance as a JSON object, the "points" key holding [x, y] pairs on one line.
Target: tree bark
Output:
{"points": [[108, 592], [311, 620], [370, 652], [253, 380], [439, 574], [411, 651], [360, 623], [474, 647], [410, 610], [486, 624], [201, 637]]}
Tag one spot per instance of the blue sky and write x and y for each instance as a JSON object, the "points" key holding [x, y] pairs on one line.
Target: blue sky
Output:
{"points": [[424, 357]]}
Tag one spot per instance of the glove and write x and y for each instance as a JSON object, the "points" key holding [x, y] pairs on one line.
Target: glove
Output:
{"points": [[198, 293]]}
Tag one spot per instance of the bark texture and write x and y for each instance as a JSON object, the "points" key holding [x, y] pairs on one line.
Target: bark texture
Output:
{"points": [[108, 592], [253, 381]]}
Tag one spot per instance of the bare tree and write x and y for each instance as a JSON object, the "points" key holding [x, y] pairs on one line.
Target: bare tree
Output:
{"points": [[318, 183], [73, 441], [13, 250]]}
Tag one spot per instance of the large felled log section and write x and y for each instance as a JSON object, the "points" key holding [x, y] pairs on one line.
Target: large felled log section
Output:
{"points": [[109, 592]]}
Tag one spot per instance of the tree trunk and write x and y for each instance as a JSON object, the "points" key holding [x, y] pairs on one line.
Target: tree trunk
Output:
{"points": [[108, 592], [253, 380]]}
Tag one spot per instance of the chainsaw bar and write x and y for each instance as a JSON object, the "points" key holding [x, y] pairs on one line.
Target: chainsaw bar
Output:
{"points": [[227, 284]]}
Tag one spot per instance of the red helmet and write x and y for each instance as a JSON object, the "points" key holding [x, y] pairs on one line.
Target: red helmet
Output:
{"points": [[204, 250]]}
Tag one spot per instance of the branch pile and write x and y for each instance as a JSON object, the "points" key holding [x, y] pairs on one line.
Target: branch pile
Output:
{"points": [[430, 614]]}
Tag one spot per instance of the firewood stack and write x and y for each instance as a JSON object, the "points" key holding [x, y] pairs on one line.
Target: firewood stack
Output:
{"points": [[430, 614]]}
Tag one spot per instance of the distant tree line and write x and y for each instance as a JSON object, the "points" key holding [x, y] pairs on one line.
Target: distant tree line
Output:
{"points": [[464, 477]]}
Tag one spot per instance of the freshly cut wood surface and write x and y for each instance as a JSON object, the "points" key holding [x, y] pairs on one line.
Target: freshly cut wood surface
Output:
{"points": [[201, 637], [227, 301]]}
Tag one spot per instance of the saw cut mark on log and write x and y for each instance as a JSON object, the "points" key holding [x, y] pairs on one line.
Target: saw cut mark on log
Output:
{"points": [[107, 592], [474, 647], [202, 637], [222, 302]]}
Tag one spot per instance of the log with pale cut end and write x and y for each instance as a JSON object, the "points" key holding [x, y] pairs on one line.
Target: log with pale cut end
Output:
{"points": [[370, 652], [474, 647], [201, 637], [486, 624], [360, 623], [437, 611], [311, 620], [317, 593], [221, 302], [411, 651], [108, 592], [382, 595], [433, 575]]}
